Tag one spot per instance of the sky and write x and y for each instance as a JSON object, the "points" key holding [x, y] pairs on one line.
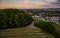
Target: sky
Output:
{"points": [[27, 4]]}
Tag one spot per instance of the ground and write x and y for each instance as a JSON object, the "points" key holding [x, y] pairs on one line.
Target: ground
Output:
{"points": [[24, 32]]}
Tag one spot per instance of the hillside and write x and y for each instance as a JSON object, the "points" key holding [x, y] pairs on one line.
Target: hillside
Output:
{"points": [[25, 32]]}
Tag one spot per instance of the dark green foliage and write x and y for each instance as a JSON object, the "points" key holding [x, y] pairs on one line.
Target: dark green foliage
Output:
{"points": [[46, 26], [57, 32], [13, 18]]}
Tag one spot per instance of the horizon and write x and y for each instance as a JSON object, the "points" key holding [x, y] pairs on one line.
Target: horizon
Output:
{"points": [[29, 4]]}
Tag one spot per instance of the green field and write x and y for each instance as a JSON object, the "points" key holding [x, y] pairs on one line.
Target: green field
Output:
{"points": [[24, 33]]}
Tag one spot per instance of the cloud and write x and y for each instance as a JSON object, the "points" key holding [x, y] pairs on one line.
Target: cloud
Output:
{"points": [[11, 1], [0, 0], [23, 6], [29, 3], [58, 1]]}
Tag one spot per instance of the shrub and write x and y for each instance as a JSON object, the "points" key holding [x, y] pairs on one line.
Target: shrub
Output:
{"points": [[46, 26], [13, 18]]}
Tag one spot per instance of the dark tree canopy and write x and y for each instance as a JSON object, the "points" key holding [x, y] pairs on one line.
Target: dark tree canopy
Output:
{"points": [[13, 18]]}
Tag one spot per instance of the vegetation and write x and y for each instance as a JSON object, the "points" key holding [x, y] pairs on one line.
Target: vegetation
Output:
{"points": [[47, 26], [13, 18], [24, 33], [57, 27]]}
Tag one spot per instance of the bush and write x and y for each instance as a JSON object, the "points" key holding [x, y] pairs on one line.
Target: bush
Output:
{"points": [[13, 18], [49, 27], [46, 26]]}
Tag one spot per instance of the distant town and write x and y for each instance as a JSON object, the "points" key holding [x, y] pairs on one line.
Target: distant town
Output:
{"points": [[48, 14]]}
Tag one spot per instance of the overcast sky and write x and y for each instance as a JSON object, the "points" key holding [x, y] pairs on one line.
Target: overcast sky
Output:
{"points": [[29, 3]]}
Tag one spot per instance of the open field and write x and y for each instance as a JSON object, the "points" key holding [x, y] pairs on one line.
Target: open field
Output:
{"points": [[24, 33]]}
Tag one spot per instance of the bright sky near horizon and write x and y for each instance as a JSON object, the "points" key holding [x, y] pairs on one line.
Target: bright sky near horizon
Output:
{"points": [[29, 4]]}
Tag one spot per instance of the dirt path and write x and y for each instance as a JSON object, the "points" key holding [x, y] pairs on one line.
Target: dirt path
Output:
{"points": [[31, 25]]}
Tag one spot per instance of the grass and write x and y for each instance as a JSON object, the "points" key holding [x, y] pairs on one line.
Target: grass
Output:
{"points": [[24, 33], [57, 31], [57, 27]]}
